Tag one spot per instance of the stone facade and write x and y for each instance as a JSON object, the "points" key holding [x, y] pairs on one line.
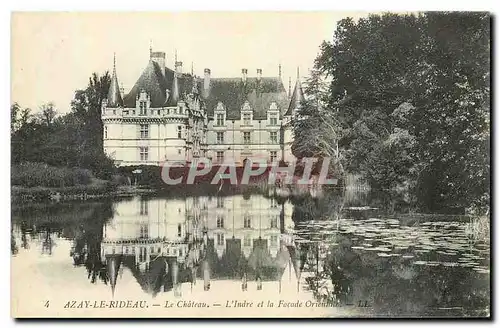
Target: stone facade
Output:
{"points": [[171, 116], [174, 241]]}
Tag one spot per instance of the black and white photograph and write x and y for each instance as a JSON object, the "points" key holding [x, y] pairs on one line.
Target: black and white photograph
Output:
{"points": [[241, 164]]}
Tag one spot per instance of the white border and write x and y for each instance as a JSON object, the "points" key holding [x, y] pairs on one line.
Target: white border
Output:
{"points": [[198, 5]]}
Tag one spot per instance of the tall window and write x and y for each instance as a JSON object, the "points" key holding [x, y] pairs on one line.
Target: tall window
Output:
{"points": [[274, 203], [142, 107], [144, 128], [220, 137], [142, 253], [220, 222], [274, 137], [274, 240], [220, 156], [144, 207], [246, 118], [179, 132], [273, 120], [144, 153], [274, 222], [247, 241], [274, 155], [220, 119], [247, 221], [246, 138], [105, 132], [220, 239], [143, 231], [179, 230], [220, 202]]}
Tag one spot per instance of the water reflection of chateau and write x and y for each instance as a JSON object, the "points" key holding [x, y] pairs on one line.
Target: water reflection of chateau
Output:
{"points": [[169, 242]]}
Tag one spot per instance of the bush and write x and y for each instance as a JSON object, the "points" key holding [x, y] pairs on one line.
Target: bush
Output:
{"points": [[39, 174]]}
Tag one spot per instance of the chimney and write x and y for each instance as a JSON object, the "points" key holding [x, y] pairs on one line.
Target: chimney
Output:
{"points": [[259, 73], [206, 83], [178, 67], [244, 73], [159, 57]]}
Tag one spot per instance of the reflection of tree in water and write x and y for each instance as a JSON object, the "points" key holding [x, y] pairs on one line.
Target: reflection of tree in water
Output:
{"points": [[81, 222], [87, 243], [307, 208], [330, 281], [393, 286], [13, 245], [47, 243], [25, 230]]}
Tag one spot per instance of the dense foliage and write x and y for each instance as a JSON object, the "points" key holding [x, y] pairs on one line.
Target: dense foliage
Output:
{"points": [[410, 99], [73, 140]]}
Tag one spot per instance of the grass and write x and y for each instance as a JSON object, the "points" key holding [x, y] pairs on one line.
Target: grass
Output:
{"points": [[42, 182], [43, 175]]}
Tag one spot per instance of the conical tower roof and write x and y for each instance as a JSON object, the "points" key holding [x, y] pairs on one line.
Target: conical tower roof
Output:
{"points": [[113, 266], [174, 95], [114, 95], [297, 96]]}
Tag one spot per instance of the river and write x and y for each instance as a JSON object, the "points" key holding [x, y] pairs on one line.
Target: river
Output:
{"points": [[244, 255]]}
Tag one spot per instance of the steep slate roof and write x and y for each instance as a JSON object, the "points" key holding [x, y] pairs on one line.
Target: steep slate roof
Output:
{"points": [[233, 93], [155, 84], [114, 95], [297, 98], [233, 264]]}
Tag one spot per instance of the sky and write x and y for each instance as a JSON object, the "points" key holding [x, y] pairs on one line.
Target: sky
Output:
{"points": [[54, 53]]}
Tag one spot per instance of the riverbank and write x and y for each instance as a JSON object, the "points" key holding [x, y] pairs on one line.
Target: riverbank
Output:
{"points": [[80, 192]]}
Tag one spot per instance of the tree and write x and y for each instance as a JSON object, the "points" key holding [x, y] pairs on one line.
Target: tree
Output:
{"points": [[409, 97], [316, 132], [87, 105], [47, 114], [71, 140], [15, 109]]}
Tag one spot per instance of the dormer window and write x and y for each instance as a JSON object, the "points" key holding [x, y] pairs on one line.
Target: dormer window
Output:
{"points": [[220, 119], [273, 119], [247, 118], [142, 107]]}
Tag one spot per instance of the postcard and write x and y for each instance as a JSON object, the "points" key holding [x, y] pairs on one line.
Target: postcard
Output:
{"points": [[250, 165]]}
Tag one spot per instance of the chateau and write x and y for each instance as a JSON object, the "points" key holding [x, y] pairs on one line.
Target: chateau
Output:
{"points": [[223, 242], [172, 116]]}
